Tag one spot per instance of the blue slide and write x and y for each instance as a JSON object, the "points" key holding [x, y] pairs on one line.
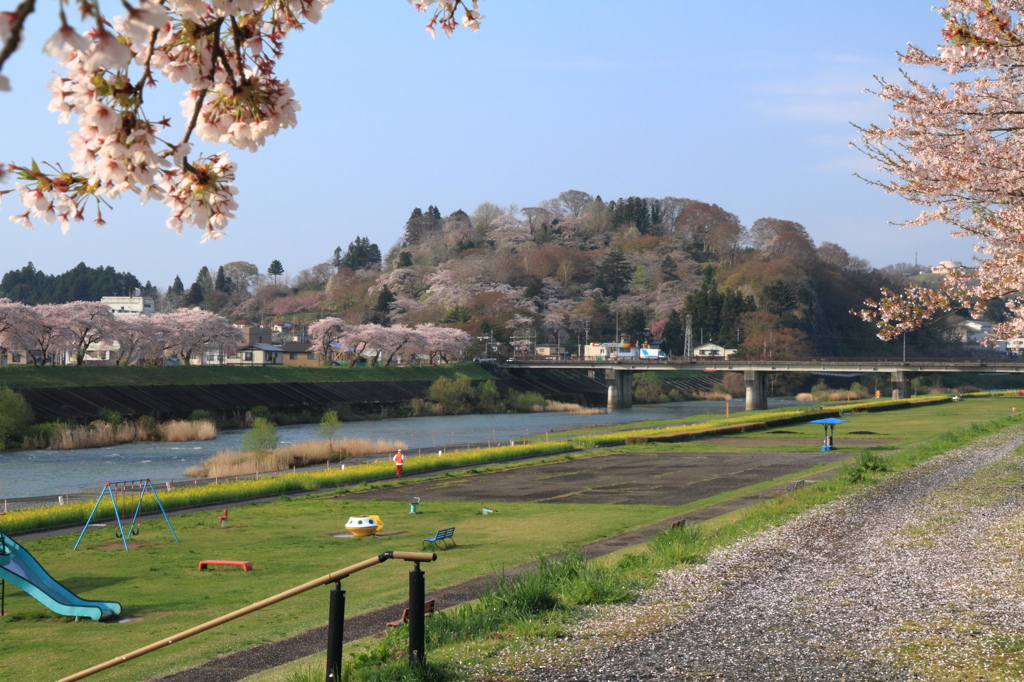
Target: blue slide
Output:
{"points": [[20, 568]]}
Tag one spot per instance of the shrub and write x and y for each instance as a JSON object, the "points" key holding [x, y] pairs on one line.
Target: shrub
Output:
{"points": [[647, 387], [262, 438], [262, 412], [111, 417], [39, 436], [866, 464], [455, 396], [203, 415], [530, 401], [15, 417], [489, 399], [329, 425]]}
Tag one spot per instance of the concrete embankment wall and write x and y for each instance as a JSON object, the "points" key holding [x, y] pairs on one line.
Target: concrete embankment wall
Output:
{"points": [[168, 401]]}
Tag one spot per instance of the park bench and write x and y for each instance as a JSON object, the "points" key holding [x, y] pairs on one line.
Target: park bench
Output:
{"points": [[443, 536], [246, 566], [428, 610]]}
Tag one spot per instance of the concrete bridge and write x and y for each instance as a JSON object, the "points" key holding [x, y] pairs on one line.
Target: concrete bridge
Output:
{"points": [[619, 373]]}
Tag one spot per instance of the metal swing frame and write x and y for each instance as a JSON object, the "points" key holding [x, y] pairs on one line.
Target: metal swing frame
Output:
{"points": [[108, 490]]}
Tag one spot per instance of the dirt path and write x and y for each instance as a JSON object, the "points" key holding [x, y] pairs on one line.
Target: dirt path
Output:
{"points": [[919, 577]]}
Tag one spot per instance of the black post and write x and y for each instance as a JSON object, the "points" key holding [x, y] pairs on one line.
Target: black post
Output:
{"points": [[417, 638], [335, 633]]}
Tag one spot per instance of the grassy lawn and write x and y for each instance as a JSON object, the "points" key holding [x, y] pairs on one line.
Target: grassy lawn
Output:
{"points": [[21, 376], [289, 543], [292, 541]]}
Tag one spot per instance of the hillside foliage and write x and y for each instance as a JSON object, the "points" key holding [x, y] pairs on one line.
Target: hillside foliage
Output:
{"points": [[573, 269]]}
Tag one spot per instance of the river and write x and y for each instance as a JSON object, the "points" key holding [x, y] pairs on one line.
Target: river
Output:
{"points": [[32, 473]]}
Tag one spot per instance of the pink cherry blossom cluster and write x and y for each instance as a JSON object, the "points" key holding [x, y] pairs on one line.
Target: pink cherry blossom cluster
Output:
{"points": [[444, 15], [224, 51], [954, 150]]}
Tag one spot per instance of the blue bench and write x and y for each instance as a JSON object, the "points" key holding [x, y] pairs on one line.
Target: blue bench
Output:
{"points": [[442, 536]]}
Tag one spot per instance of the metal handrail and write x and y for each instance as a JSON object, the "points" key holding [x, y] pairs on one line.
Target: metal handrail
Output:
{"points": [[287, 594]]}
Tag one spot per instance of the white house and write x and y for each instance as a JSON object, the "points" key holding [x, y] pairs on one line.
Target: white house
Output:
{"points": [[261, 354], [712, 350]]}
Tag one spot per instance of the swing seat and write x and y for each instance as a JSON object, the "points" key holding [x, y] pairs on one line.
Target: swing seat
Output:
{"points": [[132, 530]]}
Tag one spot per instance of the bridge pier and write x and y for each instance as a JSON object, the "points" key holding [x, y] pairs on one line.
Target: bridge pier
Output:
{"points": [[620, 388], [900, 385], [757, 395]]}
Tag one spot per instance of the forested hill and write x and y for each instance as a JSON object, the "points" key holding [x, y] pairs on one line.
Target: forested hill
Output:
{"points": [[82, 283], [573, 269]]}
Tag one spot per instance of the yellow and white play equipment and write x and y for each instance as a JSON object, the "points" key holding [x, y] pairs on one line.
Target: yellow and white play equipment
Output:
{"points": [[364, 525]]}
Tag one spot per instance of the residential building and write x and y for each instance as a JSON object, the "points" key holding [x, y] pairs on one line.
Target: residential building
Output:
{"points": [[255, 333], [712, 350], [135, 305], [256, 354], [299, 354]]}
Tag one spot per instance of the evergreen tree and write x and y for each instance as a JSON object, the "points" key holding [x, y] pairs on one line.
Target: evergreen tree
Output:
{"points": [[177, 288], [705, 305], [223, 282], [195, 295], [336, 260], [275, 269], [674, 334], [613, 274], [81, 283], [632, 210], [405, 259], [434, 212], [416, 213], [633, 325], [381, 309], [361, 254], [204, 280], [734, 304], [668, 269]]}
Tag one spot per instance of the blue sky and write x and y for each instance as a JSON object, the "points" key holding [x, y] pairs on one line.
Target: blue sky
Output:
{"points": [[745, 104]]}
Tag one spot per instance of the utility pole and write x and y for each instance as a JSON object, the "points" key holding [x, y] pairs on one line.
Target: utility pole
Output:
{"points": [[688, 338]]}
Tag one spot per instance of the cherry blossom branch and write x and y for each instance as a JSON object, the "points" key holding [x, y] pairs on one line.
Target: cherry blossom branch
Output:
{"points": [[16, 26], [223, 51]]}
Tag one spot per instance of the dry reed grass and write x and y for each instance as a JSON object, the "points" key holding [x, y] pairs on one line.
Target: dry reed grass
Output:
{"points": [[836, 395], [239, 463], [100, 433], [180, 431], [572, 408], [710, 395]]}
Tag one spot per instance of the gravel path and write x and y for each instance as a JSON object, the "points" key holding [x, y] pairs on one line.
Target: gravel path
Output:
{"points": [[918, 578]]}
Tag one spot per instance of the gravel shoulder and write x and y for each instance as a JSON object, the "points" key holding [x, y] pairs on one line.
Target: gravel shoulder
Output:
{"points": [[919, 577]]}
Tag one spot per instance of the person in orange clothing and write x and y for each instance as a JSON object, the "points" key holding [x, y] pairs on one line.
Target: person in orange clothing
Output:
{"points": [[399, 459]]}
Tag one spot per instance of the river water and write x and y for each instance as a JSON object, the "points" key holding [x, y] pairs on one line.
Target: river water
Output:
{"points": [[30, 473]]}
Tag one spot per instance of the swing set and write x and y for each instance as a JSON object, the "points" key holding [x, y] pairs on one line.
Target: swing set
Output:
{"points": [[123, 495]]}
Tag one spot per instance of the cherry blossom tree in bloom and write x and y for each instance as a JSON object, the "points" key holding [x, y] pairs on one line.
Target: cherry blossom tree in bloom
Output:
{"points": [[134, 340], [15, 319], [191, 331], [444, 343], [42, 334], [956, 151], [85, 323], [223, 52], [324, 334]]}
